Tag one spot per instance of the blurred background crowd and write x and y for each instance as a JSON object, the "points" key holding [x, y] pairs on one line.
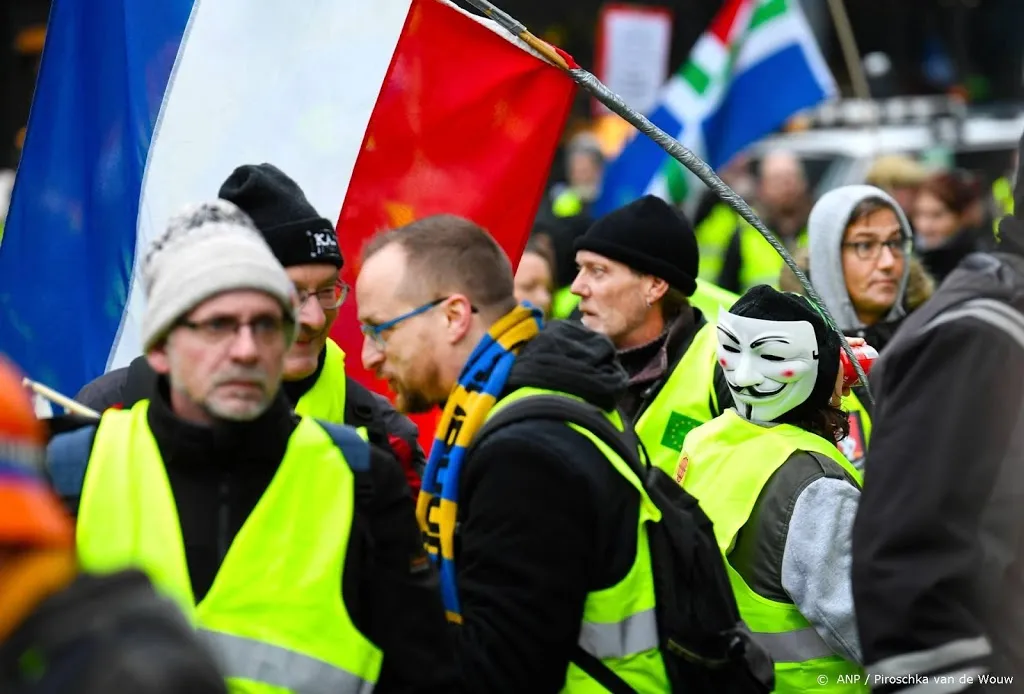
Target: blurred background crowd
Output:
{"points": [[948, 74]]}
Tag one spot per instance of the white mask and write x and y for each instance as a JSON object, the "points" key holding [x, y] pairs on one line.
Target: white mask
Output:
{"points": [[770, 366]]}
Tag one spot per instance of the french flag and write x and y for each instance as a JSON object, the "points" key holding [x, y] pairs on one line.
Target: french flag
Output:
{"points": [[384, 111]]}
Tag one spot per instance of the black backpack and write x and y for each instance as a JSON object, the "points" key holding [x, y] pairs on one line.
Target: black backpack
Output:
{"points": [[703, 642]]}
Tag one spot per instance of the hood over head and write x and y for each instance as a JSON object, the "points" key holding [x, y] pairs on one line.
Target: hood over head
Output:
{"points": [[826, 227], [568, 357]]}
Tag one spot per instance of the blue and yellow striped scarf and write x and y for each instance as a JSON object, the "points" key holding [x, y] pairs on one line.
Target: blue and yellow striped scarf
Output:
{"points": [[480, 383]]}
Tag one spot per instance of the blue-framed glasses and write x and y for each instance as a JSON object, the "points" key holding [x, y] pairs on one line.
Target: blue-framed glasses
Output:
{"points": [[376, 332]]}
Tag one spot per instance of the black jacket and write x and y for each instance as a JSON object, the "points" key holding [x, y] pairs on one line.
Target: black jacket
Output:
{"points": [[544, 519], [124, 387], [941, 261], [218, 474], [107, 633], [939, 535]]}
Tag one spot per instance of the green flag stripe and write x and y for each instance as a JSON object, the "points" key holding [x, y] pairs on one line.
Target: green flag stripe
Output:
{"points": [[675, 180], [766, 11], [695, 77]]}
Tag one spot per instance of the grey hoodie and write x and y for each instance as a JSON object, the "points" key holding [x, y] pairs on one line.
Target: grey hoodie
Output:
{"points": [[825, 228]]}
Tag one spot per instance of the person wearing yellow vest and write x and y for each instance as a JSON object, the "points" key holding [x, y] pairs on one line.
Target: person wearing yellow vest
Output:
{"points": [[539, 532], [314, 376], [715, 227], [782, 204], [289, 543], [714, 234], [781, 496], [860, 263], [584, 168], [637, 272]]}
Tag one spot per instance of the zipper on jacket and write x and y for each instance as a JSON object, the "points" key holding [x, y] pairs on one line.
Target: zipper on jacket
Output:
{"points": [[223, 535]]}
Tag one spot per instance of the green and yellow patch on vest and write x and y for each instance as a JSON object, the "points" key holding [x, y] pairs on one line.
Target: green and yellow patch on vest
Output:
{"points": [[679, 425]]}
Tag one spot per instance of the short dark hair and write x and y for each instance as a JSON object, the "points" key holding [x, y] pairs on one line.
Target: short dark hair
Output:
{"points": [[957, 189], [447, 254]]}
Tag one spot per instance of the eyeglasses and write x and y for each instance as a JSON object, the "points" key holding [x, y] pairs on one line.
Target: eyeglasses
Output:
{"points": [[376, 332], [870, 250], [329, 298], [220, 329]]}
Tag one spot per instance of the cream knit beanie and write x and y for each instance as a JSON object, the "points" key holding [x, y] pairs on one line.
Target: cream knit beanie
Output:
{"points": [[207, 250]]}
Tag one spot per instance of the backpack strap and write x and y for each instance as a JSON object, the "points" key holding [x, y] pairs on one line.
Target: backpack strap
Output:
{"points": [[624, 443], [599, 672], [67, 456], [355, 450], [572, 411]]}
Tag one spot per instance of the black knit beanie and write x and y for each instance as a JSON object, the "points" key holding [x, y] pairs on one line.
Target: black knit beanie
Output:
{"points": [[650, 237], [765, 303], [296, 233]]}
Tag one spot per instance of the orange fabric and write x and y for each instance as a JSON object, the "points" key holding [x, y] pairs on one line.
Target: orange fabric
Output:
{"points": [[30, 514], [28, 579]]}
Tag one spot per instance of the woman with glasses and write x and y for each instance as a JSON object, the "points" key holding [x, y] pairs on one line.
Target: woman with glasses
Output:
{"points": [[859, 260], [860, 263]]}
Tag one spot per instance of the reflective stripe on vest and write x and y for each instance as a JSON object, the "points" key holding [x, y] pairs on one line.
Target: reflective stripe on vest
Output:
{"points": [[128, 519], [256, 661], [634, 634], [618, 626], [728, 463], [793, 646], [682, 404], [326, 399]]}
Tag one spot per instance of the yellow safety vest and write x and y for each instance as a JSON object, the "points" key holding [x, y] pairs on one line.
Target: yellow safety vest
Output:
{"points": [[725, 465], [326, 399], [855, 446], [563, 303], [619, 625], [713, 236], [683, 402], [1002, 193], [567, 204], [288, 631], [710, 297], [760, 263]]}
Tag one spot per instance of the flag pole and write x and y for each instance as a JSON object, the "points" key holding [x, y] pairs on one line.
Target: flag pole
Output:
{"points": [[675, 149], [851, 54]]}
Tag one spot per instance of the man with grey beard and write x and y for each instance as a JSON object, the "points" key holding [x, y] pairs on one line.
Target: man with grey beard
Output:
{"points": [[291, 543]]}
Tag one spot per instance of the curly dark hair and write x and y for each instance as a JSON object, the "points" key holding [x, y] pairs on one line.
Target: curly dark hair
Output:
{"points": [[829, 422]]}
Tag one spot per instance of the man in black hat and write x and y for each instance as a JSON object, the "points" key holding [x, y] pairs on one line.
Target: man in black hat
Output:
{"points": [[637, 270], [937, 574], [314, 379]]}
